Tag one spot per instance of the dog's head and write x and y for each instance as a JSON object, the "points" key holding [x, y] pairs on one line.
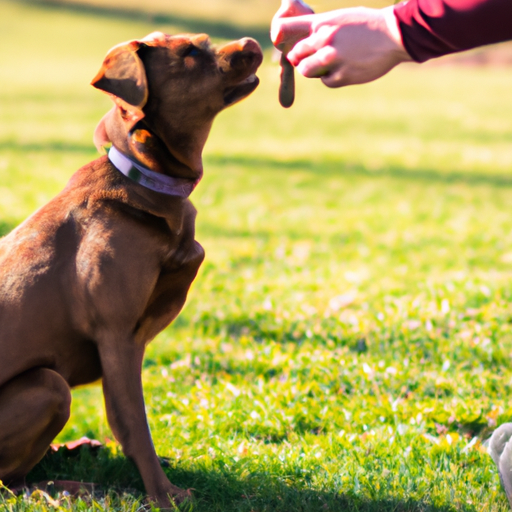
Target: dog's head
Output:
{"points": [[167, 91]]}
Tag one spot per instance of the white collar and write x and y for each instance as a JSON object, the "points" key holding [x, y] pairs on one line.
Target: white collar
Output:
{"points": [[181, 187]]}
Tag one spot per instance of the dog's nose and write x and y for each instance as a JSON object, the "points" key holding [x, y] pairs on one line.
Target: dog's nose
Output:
{"points": [[201, 40], [242, 55], [248, 44]]}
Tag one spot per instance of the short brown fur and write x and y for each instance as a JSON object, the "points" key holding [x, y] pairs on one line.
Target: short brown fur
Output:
{"points": [[89, 279]]}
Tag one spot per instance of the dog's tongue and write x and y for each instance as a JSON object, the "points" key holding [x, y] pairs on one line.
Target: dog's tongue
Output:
{"points": [[284, 36]]}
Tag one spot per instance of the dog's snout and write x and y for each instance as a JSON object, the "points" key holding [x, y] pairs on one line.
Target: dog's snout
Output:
{"points": [[244, 60], [250, 45], [201, 41], [245, 51], [241, 55]]}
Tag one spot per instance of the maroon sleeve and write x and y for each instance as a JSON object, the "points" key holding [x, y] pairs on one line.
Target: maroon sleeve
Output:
{"points": [[431, 28]]}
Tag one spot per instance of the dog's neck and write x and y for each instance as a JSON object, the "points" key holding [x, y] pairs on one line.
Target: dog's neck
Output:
{"points": [[169, 185], [142, 145]]}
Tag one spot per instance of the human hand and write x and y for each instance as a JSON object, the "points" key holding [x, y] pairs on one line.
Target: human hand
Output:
{"points": [[342, 47], [285, 38]]}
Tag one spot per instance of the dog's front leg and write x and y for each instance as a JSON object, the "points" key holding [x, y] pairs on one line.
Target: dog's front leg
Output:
{"points": [[124, 402]]}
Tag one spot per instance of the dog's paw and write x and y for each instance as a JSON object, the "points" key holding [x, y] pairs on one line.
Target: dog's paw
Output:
{"points": [[500, 449], [171, 498]]}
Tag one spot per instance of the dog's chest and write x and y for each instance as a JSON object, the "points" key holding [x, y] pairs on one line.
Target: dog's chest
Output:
{"points": [[170, 292]]}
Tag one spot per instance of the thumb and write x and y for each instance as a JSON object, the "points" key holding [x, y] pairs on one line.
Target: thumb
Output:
{"points": [[286, 32], [291, 8]]}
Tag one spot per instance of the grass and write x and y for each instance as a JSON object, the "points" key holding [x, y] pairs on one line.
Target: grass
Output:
{"points": [[230, 14], [347, 343]]}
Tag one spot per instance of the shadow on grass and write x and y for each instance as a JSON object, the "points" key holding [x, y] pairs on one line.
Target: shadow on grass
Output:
{"points": [[315, 167], [342, 168], [216, 29], [260, 326], [221, 488], [51, 145]]}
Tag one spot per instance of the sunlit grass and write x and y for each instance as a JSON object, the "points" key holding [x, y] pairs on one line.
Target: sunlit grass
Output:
{"points": [[246, 13], [347, 343]]}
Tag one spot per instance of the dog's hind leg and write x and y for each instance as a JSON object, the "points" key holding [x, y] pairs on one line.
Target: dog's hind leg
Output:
{"points": [[34, 407]]}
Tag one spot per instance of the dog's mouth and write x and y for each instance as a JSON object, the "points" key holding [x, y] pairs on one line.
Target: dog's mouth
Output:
{"points": [[241, 90]]}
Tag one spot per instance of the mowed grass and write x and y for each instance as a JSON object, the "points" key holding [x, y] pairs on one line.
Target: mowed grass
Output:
{"points": [[347, 343], [226, 14]]}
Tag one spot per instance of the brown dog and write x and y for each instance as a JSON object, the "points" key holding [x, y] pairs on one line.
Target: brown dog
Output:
{"points": [[89, 279]]}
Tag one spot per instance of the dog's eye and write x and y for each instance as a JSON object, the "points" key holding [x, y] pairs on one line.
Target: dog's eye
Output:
{"points": [[191, 51]]}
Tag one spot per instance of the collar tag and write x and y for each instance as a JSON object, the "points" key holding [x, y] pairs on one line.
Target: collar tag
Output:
{"points": [[162, 183]]}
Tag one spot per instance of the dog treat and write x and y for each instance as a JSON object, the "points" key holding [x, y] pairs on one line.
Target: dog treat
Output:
{"points": [[284, 42], [287, 85]]}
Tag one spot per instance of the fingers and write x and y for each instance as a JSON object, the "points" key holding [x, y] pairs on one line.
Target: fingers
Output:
{"points": [[291, 8], [350, 46], [314, 56], [335, 79], [319, 64], [286, 32], [298, 8], [343, 47]]}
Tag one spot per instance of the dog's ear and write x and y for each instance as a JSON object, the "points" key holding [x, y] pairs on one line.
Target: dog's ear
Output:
{"points": [[101, 138], [123, 77]]}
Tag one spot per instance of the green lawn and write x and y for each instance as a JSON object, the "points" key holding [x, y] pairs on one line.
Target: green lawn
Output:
{"points": [[216, 14], [347, 343]]}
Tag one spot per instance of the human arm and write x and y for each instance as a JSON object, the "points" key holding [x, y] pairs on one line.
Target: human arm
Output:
{"points": [[358, 45], [432, 28]]}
